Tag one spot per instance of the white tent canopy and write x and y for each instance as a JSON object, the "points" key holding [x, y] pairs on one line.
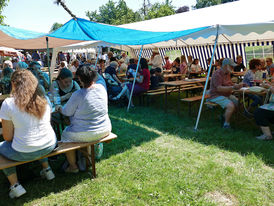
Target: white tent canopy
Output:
{"points": [[240, 21]]}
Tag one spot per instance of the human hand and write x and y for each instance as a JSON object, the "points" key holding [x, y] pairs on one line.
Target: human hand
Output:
{"points": [[58, 108], [265, 85], [238, 86]]}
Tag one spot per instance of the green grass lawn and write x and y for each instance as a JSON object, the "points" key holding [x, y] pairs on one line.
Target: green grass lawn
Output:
{"points": [[159, 160]]}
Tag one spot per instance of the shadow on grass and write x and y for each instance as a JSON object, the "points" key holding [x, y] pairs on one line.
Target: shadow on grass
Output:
{"points": [[241, 139], [129, 135]]}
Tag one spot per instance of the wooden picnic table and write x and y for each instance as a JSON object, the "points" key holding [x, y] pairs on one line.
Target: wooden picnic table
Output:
{"points": [[180, 85], [167, 76], [121, 75], [167, 71]]}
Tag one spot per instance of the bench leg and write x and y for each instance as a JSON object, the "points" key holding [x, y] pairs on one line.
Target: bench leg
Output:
{"points": [[93, 161], [89, 153]]}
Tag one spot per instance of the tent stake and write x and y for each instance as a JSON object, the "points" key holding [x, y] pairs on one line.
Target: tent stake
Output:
{"points": [[47, 40], [207, 80], [131, 93]]}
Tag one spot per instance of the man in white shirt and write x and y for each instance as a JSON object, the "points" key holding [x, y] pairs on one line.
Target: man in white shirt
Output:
{"points": [[125, 58], [155, 60]]}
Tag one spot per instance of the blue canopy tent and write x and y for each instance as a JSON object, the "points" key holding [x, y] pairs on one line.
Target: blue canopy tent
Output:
{"points": [[81, 29], [78, 29]]}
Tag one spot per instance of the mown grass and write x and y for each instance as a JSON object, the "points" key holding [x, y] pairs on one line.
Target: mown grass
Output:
{"points": [[159, 160]]}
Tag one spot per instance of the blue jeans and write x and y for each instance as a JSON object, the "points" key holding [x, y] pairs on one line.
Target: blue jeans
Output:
{"points": [[7, 151]]}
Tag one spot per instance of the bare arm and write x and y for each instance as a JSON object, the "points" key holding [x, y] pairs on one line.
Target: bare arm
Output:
{"points": [[272, 90], [8, 130], [225, 88], [229, 88]]}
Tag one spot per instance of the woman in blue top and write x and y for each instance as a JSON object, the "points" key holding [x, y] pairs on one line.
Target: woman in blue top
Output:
{"points": [[88, 112]]}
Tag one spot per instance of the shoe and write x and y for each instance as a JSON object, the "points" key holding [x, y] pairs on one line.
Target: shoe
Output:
{"points": [[264, 137], [16, 191], [115, 98], [47, 173], [69, 170], [226, 127]]}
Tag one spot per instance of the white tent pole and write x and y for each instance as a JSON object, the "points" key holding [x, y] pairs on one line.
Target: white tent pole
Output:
{"points": [[98, 53], [131, 93], [207, 79], [53, 62]]}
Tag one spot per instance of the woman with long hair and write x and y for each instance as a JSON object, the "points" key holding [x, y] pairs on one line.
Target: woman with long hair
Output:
{"points": [[26, 127], [183, 65]]}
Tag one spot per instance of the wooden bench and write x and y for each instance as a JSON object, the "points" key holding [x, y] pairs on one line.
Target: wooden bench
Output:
{"points": [[191, 100], [170, 90], [87, 148]]}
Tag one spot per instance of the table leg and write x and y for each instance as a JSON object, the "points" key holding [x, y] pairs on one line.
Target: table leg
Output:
{"points": [[93, 161], [178, 101], [165, 98]]}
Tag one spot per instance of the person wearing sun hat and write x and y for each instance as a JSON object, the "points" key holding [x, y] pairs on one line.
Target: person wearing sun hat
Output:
{"points": [[155, 60], [221, 88]]}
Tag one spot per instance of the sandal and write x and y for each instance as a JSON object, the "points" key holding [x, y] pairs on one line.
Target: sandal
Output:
{"points": [[264, 137]]}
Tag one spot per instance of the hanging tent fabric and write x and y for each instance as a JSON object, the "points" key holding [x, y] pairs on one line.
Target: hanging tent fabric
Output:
{"points": [[24, 39], [239, 21]]}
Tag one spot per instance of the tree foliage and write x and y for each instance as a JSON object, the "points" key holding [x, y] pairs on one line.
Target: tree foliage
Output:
{"points": [[160, 10], [207, 3], [114, 13], [3, 3], [55, 26], [119, 13]]}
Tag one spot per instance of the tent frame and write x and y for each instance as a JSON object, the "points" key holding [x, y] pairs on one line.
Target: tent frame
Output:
{"points": [[132, 89], [207, 80]]}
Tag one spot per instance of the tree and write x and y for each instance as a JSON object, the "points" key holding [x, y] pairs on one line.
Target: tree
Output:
{"points": [[114, 13], [182, 9], [55, 26], [160, 10], [207, 3], [3, 3]]}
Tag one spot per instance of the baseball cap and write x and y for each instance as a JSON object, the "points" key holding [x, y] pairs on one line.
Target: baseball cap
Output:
{"points": [[229, 62]]}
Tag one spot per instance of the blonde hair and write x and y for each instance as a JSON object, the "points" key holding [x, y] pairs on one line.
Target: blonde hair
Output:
{"points": [[27, 93]]}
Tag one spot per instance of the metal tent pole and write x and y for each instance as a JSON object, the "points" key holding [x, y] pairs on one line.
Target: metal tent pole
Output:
{"points": [[207, 79], [47, 40], [99, 52], [131, 93]]}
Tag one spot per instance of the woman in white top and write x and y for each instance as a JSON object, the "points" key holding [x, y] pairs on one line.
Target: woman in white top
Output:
{"points": [[88, 112], [26, 125], [195, 67]]}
